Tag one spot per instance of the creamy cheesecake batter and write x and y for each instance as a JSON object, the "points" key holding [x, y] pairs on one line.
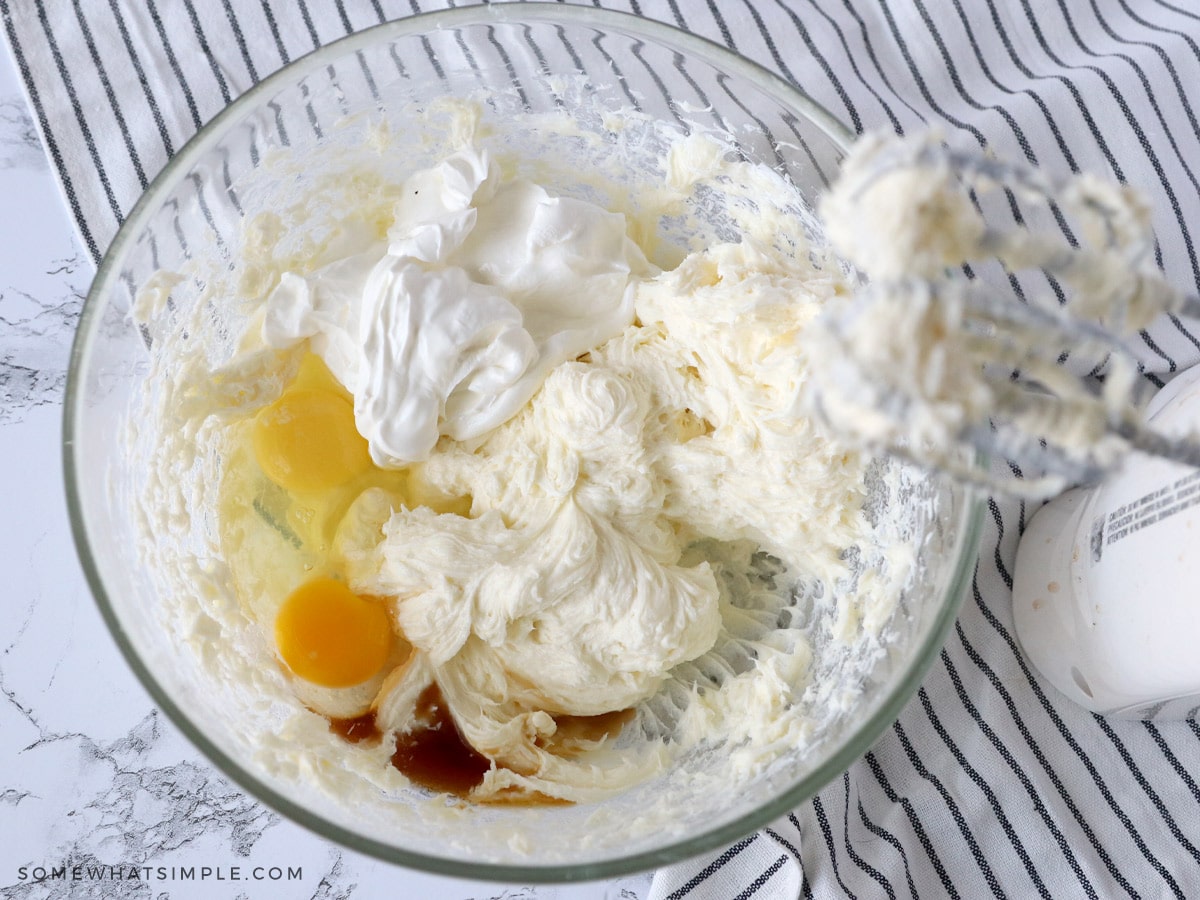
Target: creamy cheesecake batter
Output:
{"points": [[585, 498]]}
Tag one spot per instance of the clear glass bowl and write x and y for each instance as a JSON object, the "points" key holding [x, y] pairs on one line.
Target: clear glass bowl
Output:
{"points": [[194, 211]]}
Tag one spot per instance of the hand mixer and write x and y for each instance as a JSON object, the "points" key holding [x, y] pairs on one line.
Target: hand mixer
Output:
{"points": [[926, 361]]}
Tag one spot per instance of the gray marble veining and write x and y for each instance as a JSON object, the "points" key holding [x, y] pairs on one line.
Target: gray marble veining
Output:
{"points": [[36, 328], [20, 147]]}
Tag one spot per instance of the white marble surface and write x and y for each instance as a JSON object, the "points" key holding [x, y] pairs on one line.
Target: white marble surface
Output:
{"points": [[93, 774]]}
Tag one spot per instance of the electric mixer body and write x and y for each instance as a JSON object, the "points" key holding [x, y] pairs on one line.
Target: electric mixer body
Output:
{"points": [[1106, 593], [931, 363]]}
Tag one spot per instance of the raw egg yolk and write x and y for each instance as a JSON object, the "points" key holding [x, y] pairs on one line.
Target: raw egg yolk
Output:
{"points": [[306, 441], [330, 636]]}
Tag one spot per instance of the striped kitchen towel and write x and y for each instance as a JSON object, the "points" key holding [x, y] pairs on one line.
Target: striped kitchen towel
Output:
{"points": [[989, 784]]}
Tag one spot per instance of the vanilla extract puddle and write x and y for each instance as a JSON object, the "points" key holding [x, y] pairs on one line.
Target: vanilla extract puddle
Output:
{"points": [[576, 734], [433, 753], [357, 729]]}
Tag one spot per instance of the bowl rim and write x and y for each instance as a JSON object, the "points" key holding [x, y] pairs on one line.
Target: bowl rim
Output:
{"points": [[147, 205]]}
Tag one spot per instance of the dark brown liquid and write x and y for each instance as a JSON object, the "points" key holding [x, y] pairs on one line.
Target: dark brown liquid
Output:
{"points": [[360, 728], [518, 797], [574, 734], [433, 754]]}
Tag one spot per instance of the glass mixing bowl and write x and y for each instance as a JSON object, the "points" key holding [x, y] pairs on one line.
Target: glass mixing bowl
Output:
{"points": [[323, 110]]}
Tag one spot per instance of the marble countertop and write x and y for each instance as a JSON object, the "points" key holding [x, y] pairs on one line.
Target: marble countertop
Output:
{"points": [[94, 775]]}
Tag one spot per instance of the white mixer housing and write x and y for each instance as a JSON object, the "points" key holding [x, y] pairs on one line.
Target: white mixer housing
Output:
{"points": [[1106, 594]]}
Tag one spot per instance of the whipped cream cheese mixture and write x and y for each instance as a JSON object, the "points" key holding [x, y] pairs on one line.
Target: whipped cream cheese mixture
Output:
{"points": [[510, 458]]}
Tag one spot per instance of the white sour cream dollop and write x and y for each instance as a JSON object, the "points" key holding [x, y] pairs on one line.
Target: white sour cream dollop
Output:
{"points": [[449, 327]]}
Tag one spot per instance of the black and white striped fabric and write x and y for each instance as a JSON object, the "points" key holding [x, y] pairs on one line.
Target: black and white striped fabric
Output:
{"points": [[989, 784]]}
